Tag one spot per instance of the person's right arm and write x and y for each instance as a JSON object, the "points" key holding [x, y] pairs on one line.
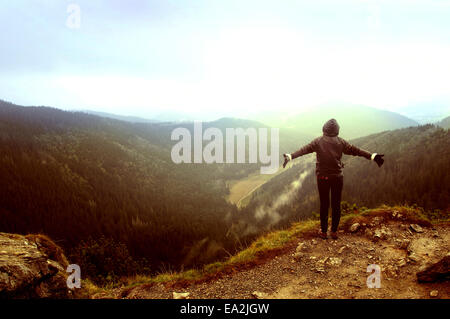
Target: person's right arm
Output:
{"points": [[309, 148]]}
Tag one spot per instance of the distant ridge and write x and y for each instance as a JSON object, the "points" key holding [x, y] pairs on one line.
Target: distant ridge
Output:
{"points": [[126, 118], [355, 120]]}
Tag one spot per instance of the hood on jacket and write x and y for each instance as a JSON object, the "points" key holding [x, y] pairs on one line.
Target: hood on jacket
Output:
{"points": [[331, 128]]}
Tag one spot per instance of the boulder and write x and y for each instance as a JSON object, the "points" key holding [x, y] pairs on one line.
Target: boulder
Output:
{"points": [[31, 267], [439, 271]]}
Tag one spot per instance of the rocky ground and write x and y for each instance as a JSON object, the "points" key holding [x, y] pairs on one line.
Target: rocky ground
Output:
{"points": [[317, 268]]}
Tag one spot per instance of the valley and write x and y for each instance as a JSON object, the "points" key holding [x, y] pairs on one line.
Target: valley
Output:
{"points": [[101, 186]]}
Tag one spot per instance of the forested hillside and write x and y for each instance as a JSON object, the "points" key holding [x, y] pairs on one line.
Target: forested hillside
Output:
{"points": [[106, 188], [416, 171]]}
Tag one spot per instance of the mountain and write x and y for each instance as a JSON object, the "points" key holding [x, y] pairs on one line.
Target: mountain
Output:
{"points": [[427, 112], [354, 120], [445, 123], [132, 119]]}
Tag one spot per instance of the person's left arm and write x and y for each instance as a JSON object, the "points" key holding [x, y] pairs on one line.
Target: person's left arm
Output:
{"points": [[353, 150]]}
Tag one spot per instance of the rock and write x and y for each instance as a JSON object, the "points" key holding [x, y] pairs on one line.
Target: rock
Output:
{"points": [[416, 228], [334, 261], [396, 214], [341, 250], [368, 232], [259, 295], [297, 256], [401, 262], [354, 228], [391, 271], [32, 267], [414, 258], [180, 295], [381, 233], [422, 249], [300, 247], [439, 271], [320, 265], [377, 220], [355, 283], [403, 244], [319, 269], [434, 293]]}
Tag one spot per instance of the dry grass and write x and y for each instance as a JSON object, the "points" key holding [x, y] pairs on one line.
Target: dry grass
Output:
{"points": [[52, 250]]}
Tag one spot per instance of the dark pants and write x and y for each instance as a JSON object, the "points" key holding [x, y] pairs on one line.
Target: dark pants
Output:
{"points": [[325, 185]]}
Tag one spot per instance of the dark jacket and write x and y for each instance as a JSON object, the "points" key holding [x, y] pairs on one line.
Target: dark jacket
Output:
{"points": [[329, 149]]}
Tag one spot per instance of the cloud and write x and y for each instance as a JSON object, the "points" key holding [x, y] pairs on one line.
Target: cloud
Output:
{"points": [[272, 211], [233, 56]]}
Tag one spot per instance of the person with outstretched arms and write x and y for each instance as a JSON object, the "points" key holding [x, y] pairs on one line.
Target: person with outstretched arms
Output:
{"points": [[329, 149]]}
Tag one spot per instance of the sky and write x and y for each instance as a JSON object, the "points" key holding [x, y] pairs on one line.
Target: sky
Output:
{"points": [[225, 58]]}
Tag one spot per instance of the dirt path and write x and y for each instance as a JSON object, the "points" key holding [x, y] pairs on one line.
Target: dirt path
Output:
{"points": [[316, 268]]}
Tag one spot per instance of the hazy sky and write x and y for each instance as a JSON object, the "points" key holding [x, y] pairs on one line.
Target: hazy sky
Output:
{"points": [[226, 56]]}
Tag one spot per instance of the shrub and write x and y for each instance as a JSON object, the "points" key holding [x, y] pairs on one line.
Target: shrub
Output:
{"points": [[104, 260]]}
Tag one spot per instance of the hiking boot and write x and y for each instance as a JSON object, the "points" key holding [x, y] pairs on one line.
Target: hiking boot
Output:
{"points": [[322, 235], [334, 235]]}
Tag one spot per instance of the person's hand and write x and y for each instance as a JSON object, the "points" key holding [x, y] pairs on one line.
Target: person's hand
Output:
{"points": [[287, 158], [379, 159]]}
